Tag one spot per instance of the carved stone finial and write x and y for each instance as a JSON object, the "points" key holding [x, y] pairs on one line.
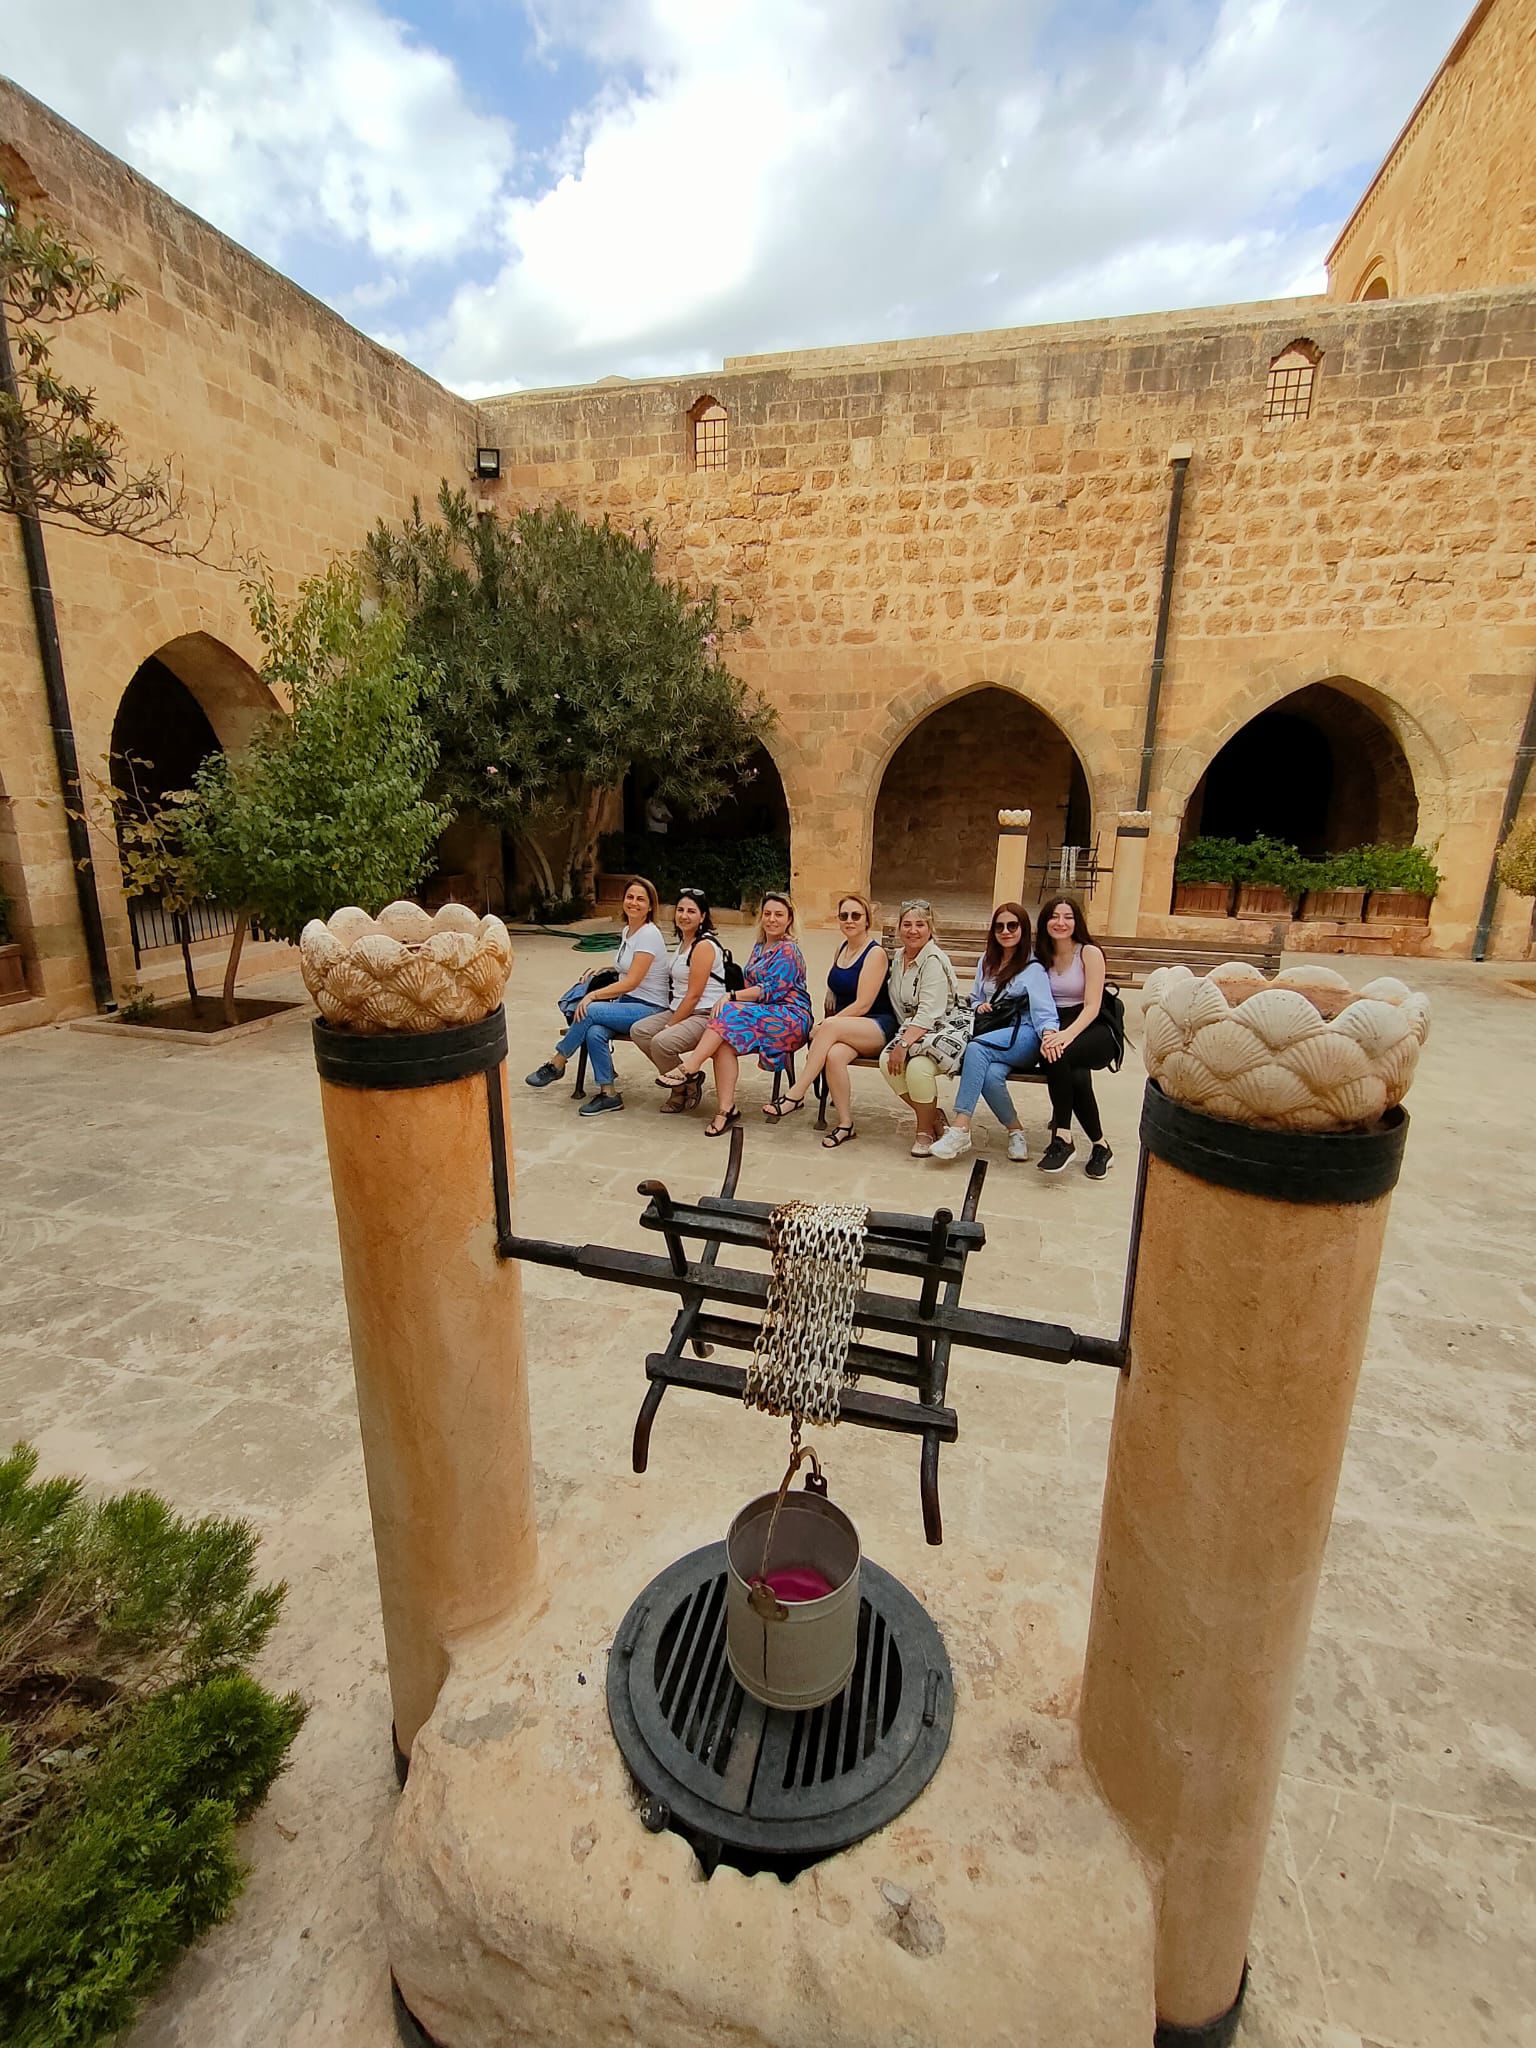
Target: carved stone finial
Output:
{"points": [[1137, 820], [1015, 821], [1304, 1052], [405, 970]]}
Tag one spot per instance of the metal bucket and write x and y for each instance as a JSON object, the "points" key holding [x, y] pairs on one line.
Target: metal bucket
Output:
{"points": [[792, 1653]]}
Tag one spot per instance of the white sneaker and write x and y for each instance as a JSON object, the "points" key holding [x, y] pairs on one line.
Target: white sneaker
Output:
{"points": [[951, 1144], [1018, 1145]]}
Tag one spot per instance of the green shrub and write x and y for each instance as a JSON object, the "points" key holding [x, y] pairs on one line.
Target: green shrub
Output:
{"points": [[1209, 860], [131, 1742], [1517, 859], [1271, 863], [729, 871], [1380, 866]]}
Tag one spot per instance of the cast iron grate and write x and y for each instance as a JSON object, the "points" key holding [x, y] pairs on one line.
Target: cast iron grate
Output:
{"points": [[759, 1787]]}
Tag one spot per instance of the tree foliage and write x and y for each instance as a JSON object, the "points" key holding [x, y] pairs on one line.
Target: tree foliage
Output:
{"points": [[326, 806], [1517, 860], [63, 462], [563, 660], [131, 1742]]}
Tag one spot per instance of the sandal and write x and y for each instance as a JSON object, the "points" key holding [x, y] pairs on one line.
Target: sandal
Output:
{"points": [[785, 1106], [678, 1078], [721, 1122], [693, 1094], [838, 1136], [676, 1102]]}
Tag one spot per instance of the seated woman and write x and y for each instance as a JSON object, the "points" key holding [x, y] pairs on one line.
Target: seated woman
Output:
{"points": [[770, 1016], [858, 1022], [595, 1017], [1014, 991], [1085, 1040], [923, 993], [696, 973]]}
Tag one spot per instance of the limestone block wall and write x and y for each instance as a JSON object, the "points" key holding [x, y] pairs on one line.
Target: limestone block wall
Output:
{"points": [[907, 522], [1453, 207], [301, 429]]}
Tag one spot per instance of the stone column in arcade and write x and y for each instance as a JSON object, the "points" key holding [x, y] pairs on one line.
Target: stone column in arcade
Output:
{"points": [[1271, 1141], [411, 1046], [1010, 875]]}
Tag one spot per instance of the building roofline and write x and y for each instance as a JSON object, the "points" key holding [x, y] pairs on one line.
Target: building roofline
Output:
{"points": [[1452, 56]]}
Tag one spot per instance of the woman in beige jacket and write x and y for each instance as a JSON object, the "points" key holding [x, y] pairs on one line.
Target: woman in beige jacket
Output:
{"points": [[922, 993]]}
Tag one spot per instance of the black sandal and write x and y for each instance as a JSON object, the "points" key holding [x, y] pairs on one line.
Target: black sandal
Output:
{"points": [[693, 1093], [839, 1135], [785, 1106], [721, 1122]]}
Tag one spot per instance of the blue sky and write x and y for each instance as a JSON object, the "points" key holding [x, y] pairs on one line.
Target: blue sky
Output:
{"points": [[530, 192]]}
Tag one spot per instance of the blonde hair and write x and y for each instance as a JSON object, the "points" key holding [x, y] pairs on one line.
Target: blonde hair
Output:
{"points": [[923, 909], [857, 896], [775, 896]]}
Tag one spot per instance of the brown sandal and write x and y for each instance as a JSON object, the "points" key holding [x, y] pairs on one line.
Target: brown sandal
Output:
{"points": [[676, 1102]]}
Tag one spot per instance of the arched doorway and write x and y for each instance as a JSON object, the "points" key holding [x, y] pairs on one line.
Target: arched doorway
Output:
{"points": [[18, 964], [189, 699], [746, 835], [1321, 770], [935, 829]]}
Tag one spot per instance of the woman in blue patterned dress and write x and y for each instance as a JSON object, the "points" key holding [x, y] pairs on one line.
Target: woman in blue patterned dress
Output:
{"points": [[770, 1016]]}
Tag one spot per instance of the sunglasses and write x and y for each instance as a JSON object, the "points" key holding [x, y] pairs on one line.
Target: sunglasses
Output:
{"points": [[1006, 924], [849, 916]]}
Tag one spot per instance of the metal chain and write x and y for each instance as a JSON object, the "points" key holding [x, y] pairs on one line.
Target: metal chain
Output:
{"points": [[800, 1362]]}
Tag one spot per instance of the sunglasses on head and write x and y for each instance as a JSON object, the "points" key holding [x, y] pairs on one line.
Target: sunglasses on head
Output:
{"points": [[916, 903]]}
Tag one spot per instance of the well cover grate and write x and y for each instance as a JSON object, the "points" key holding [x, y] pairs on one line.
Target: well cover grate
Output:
{"points": [[760, 1787]]}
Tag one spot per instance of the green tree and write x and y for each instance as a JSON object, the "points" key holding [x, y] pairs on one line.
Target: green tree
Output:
{"points": [[63, 462], [326, 806], [1517, 864], [563, 660]]}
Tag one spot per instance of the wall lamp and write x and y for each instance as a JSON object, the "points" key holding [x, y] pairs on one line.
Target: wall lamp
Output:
{"points": [[488, 463]]}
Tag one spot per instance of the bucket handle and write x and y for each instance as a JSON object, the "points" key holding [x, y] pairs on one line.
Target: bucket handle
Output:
{"points": [[761, 1596]]}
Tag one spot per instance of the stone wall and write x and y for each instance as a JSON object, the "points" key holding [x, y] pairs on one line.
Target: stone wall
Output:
{"points": [[906, 522], [299, 428], [1453, 207]]}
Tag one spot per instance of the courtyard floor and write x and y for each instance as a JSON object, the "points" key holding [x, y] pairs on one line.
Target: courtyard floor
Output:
{"points": [[171, 1315]]}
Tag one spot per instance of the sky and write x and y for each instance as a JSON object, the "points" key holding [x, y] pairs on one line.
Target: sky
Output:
{"points": [[517, 193]]}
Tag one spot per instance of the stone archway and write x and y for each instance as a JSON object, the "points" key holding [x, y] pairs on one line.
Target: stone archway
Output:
{"points": [[935, 811], [17, 978], [1321, 769]]}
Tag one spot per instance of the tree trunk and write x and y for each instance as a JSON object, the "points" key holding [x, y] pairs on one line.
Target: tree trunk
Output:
{"points": [[538, 861], [184, 940], [584, 843], [231, 1014]]}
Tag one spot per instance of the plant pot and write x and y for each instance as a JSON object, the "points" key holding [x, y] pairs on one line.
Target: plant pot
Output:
{"points": [[798, 1653], [1264, 899], [1397, 906], [1333, 906], [13, 974], [1202, 899]]}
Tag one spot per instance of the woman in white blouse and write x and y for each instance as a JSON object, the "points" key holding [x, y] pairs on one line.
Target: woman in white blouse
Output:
{"points": [[697, 982], [595, 1017]]}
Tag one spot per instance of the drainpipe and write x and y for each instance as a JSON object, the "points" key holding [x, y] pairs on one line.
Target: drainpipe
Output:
{"points": [[1179, 455], [60, 723], [1518, 777]]}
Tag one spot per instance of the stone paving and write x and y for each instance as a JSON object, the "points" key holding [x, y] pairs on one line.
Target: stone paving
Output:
{"points": [[171, 1314]]}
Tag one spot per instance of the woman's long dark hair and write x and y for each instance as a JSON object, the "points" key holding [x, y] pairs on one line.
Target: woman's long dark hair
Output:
{"points": [[1045, 945], [706, 916], [992, 959]]}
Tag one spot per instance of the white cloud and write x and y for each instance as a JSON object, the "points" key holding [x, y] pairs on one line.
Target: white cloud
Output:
{"points": [[275, 118], [754, 174], [781, 173]]}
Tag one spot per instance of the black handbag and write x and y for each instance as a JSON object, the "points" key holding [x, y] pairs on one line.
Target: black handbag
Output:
{"points": [[1001, 1017], [1112, 1010], [604, 977]]}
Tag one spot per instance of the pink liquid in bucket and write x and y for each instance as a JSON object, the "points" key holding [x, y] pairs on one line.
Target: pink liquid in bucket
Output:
{"points": [[798, 1582]]}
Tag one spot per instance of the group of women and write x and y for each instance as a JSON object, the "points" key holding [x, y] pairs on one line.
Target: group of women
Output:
{"points": [[1037, 999]]}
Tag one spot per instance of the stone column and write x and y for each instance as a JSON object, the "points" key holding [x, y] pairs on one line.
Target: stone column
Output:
{"points": [[415, 1111], [1130, 862], [1010, 876], [1254, 1264]]}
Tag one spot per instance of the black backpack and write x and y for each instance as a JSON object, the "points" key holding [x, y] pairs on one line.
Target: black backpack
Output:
{"points": [[733, 976]]}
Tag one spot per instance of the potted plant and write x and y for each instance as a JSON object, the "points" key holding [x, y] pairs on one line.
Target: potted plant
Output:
{"points": [[1403, 882], [1334, 895], [1270, 879], [13, 968], [1203, 876]]}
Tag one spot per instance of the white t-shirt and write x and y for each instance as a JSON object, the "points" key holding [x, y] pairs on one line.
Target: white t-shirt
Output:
{"points": [[656, 986], [714, 988]]}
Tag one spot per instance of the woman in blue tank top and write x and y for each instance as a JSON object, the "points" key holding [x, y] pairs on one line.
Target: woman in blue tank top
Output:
{"points": [[858, 1023]]}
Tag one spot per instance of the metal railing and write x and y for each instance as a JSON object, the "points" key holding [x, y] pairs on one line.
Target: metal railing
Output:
{"points": [[153, 925]]}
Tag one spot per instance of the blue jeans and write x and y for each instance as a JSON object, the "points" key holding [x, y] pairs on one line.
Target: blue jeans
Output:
{"points": [[597, 1030], [988, 1062]]}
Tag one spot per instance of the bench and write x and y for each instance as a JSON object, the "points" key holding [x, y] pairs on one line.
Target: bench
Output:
{"points": [[579, 1092]]}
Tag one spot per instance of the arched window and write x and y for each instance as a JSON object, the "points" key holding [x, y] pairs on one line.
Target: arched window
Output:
{"points": [[1290, 382], [708, 426], [1374, 282]]}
